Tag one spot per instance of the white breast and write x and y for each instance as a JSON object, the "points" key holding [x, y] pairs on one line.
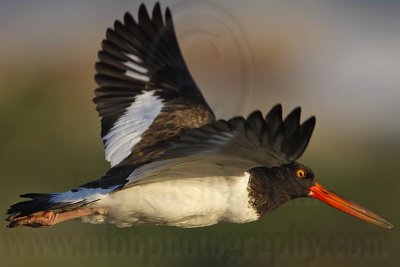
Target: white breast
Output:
{"points": [[191, 202]]}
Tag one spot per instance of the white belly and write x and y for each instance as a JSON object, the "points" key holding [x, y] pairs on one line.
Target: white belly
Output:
{"points": [[192, 202]]}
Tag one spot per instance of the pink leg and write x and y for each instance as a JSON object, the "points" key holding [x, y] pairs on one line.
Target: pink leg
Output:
{"points": [[49, 218]]}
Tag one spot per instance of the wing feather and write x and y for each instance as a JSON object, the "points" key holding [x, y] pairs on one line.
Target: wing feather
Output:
{"points": [[231, 147], [144, 85]]}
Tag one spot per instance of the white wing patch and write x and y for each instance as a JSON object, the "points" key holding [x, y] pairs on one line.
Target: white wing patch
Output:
{"points": [[139, 73], [137, 76], [135, 67], [133, 57], [82, 194], [128, 129]]}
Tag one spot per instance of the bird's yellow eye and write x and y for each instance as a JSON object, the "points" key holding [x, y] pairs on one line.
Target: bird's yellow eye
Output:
{"points": [[300, 173]]}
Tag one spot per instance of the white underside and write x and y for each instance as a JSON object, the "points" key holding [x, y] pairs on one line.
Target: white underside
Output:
{"points": [[191, 202]]}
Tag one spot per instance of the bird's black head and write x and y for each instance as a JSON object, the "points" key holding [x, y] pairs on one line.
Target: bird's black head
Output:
{"points": [[271, 187], [299, 179]]}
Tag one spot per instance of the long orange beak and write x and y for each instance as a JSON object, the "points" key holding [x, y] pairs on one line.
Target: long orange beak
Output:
{"points": [[319, 192]]}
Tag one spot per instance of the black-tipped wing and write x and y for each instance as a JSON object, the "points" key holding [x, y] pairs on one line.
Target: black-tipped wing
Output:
{"points": [[146, 93], [232, 147], [269, 141]]}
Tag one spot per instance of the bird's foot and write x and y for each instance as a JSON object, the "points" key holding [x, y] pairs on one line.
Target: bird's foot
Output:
{"points": [[49, 218]]}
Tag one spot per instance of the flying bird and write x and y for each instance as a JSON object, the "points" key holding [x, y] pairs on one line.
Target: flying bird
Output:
{"points": [[172, 162]]}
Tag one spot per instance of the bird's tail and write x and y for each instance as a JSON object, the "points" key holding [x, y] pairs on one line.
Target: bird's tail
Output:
{"points": [[40, 205], [38, 202], [45, 209]]}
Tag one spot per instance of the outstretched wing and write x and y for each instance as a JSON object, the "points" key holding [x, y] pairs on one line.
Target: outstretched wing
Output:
{"points": [[269, 141], [229, 148], [146, 93]]}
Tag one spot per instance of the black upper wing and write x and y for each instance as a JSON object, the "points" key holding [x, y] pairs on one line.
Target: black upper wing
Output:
{"points": [[229, 148], [269, 141], [146, 93]]}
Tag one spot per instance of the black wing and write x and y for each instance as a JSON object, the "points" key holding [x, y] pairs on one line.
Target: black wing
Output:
{"points": [[229, 148], [146, 93], [269, 141]]}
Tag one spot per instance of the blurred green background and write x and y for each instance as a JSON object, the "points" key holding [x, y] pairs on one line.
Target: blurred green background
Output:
{"points": [[339, 60]]}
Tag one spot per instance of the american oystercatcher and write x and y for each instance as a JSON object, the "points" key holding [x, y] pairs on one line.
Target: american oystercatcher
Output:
{"points": [[172, 162]]}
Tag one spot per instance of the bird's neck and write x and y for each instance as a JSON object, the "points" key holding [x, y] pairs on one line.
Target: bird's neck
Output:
{"points": [[268, 188]]}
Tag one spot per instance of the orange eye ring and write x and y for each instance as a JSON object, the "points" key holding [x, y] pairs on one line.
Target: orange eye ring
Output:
{"points": [[300, 173]]}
